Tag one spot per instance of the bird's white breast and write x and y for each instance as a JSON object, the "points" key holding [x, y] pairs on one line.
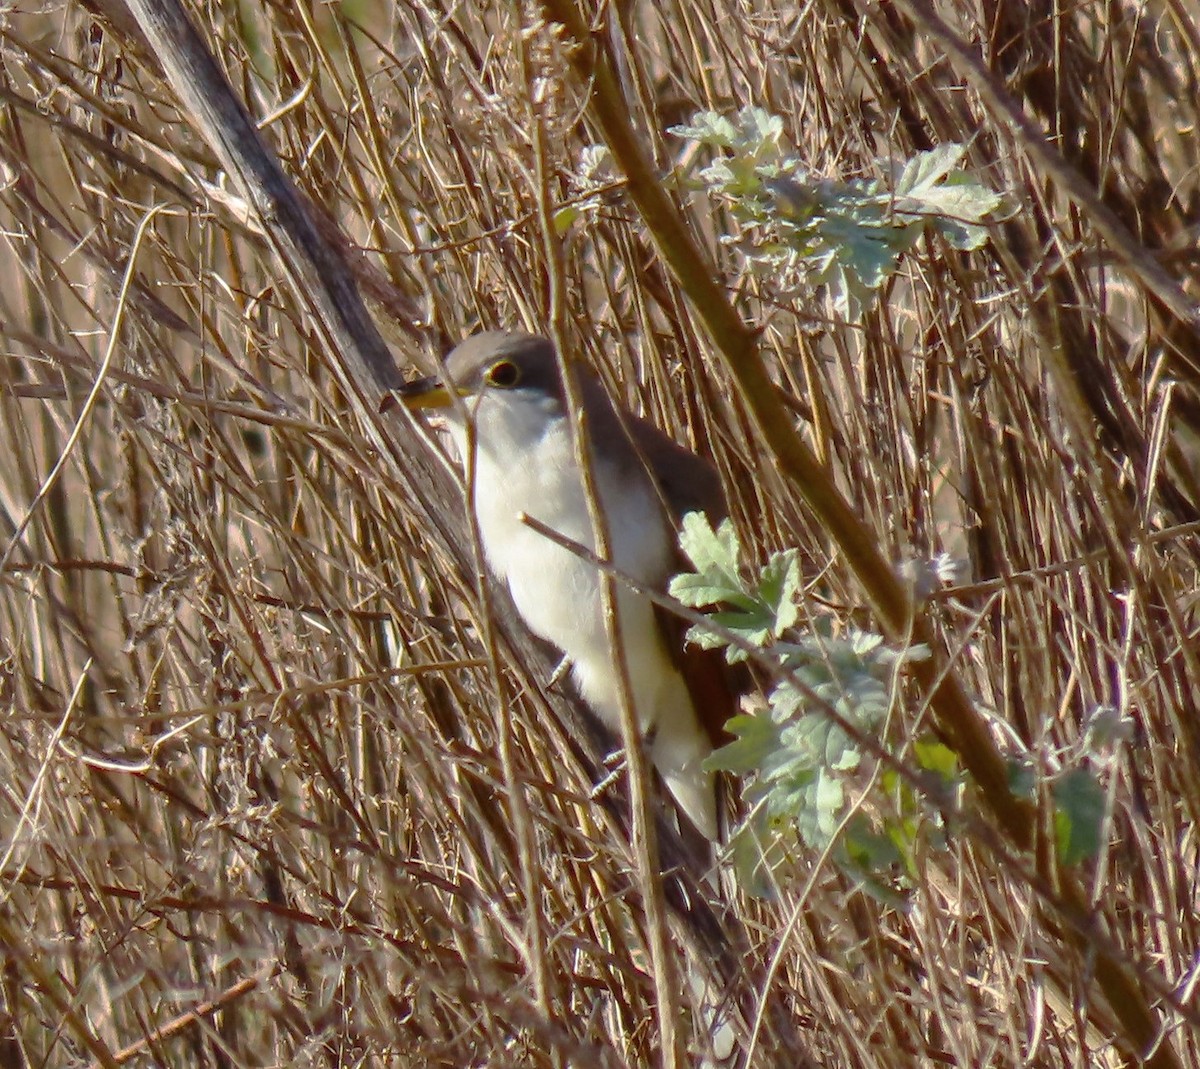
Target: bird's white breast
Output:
{"points": [[525, 464]]}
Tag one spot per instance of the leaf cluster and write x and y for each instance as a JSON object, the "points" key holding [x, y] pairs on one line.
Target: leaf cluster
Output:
{"points": [[844, 235], [799, 754]]}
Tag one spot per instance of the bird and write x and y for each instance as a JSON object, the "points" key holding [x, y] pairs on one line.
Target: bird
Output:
{"points": [[515, 416]]}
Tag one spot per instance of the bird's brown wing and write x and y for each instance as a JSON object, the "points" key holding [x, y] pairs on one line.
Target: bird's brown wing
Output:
{"points": [[689, 483], [714, 685], [686, 483]]}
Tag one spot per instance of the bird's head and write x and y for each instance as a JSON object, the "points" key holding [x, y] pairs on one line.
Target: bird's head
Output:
{"points": [[510, 386], [496, 363]]}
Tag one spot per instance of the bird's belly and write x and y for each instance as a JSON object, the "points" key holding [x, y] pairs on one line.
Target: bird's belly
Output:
{"points": [[559, 597], [558, 594]]}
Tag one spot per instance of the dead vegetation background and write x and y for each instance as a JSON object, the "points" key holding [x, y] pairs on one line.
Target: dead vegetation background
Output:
{"points": [[253, 791]]}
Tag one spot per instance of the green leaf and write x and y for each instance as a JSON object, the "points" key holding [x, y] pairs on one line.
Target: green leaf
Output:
{"points": [[819, 819], [864, 247], [701, 590], [750, 618], [928, 188], [961, 236], [779, 587], [1078, 816], [756, 615], [869, 850], [756, 739], [759, 126], [708, 639], [709, 128], [564, 217], [962, 200], [920, 175], [937, 757], [796, 762], [757, 851], [712, 553], [846, 237], [1021, 777]]}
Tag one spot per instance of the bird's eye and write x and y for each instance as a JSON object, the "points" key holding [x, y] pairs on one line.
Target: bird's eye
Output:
{"points": [[503, 373]]}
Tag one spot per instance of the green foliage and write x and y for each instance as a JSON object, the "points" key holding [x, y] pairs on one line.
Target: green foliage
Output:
{"points": [[756, 613], [801, 767], [799, 755], [804, 768], [1079, 808], [845, 236], [1080, 805]]}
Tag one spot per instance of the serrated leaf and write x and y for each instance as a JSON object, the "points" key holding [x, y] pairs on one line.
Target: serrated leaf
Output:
{"points": [[705, 637], [699, 590], [869, 850], [961, 236], [844, 236], [708, 127], [841, 753], [759, 126], [794, 199], [829, 799], [778, 587], [754, 624], [718, 174], [954, 208], [756, 739], [959, 201], [791, 800], [846, 292], [925, 170], [790, 762], [712, 553], [786, 701], [866, 250]]}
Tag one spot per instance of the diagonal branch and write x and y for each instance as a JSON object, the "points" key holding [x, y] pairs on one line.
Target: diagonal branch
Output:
{"points": [[964, 728]]}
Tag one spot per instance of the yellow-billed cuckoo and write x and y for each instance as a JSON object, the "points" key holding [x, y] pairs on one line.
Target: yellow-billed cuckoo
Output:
{"points": [[525, 464]]}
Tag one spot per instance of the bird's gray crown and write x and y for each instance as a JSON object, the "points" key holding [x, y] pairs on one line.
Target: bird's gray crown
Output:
{"points": [[499, 359]]}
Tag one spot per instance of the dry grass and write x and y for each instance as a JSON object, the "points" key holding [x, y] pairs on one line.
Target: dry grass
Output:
{"points": [[250, 755]]}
